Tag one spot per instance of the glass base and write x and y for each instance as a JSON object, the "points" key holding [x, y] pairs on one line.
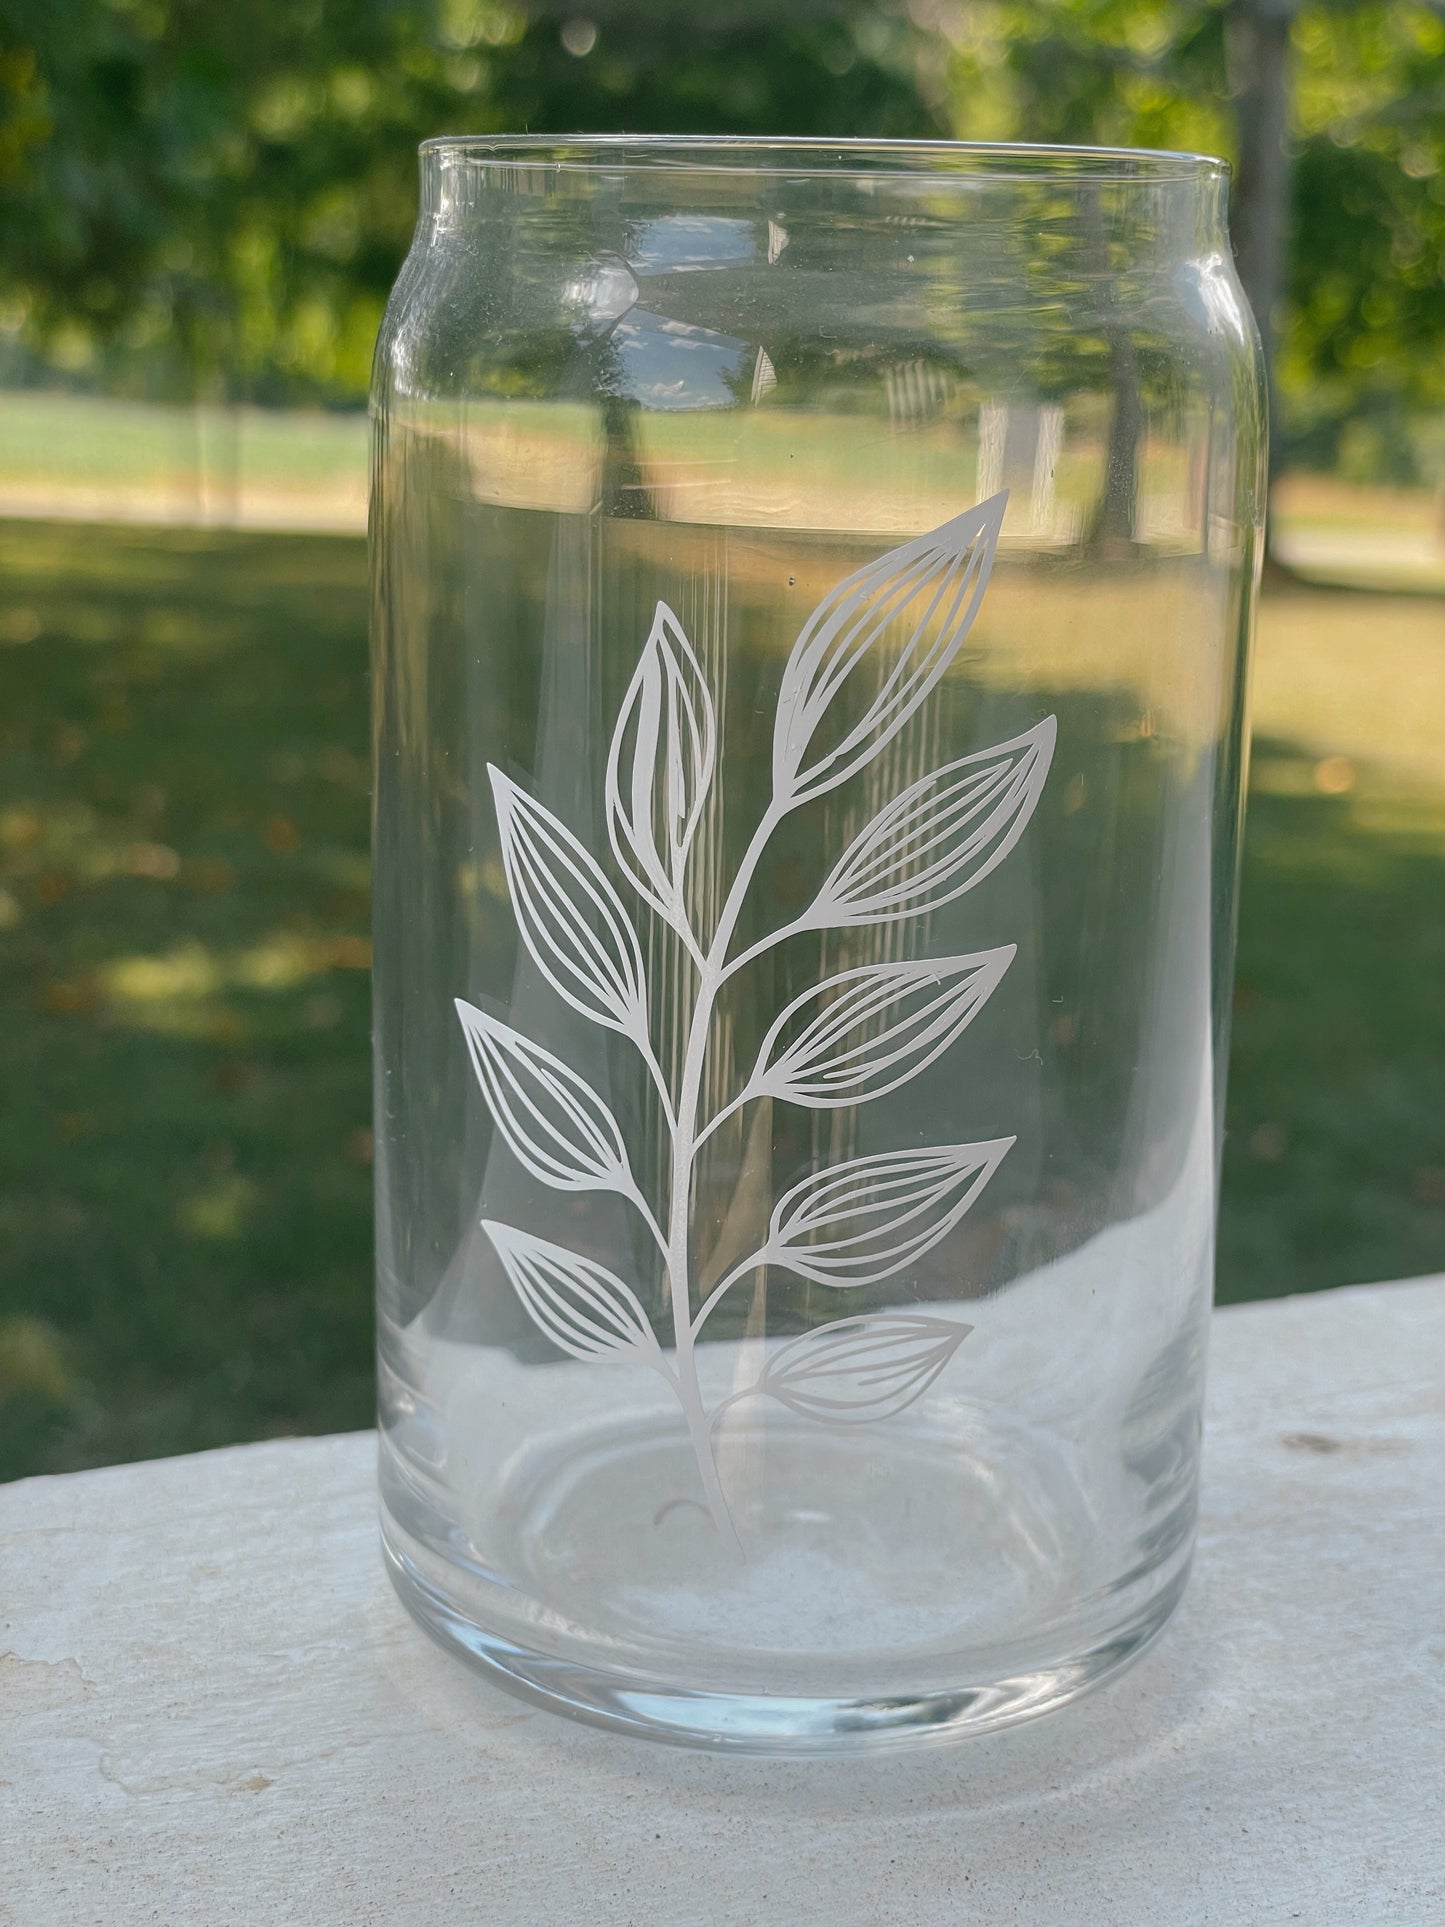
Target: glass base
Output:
{"points": [[888, 1594], [773, 1724]]}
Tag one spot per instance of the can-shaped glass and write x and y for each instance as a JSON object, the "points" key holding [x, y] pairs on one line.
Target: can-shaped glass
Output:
{"points": [[812, 596]]}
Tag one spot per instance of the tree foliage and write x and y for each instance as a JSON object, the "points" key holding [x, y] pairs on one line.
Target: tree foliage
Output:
{"points": [[215, 197], [1365, 344], [1363, 328]]}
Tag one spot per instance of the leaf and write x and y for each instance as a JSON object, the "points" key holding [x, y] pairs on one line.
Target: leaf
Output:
{"points": [[860, 1222], [927, 593], [555, 1124], [874, 1028], [861, 1369], [655, 797], [939, 837], [570, 917], [584, 1308]]}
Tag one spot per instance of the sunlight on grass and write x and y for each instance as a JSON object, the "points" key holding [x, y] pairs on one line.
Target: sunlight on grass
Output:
{"points": [[70, 839], [221, 1211], [75, 455], [32, 1361], [177, 992], [1357, 676]]}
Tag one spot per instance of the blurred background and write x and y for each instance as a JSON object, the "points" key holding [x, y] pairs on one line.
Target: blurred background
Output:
{"points": [[201, 210]]}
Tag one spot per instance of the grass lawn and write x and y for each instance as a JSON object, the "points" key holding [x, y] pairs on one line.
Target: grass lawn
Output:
{"points": [[184, 1156], [1334, 1166], [184, 1160], [90, 457]]}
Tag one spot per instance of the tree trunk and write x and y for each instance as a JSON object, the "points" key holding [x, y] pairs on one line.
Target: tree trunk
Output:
{"points": [[1113, 531], [1259, 57]]}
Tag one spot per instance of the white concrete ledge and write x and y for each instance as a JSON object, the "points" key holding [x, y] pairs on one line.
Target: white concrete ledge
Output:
{"points": [[213, 1710]]}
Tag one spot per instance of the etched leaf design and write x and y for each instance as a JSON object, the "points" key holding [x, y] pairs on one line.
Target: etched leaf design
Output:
{"points": [[927, 593], [938, 838], [660, 766], [865, 661], [556, 1125], [861, 1369], [570, 917], [873, 1028], [859, 1222], [585, 1309]]}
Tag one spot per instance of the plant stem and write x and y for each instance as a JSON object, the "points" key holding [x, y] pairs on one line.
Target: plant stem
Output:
{"points": [[684, 1151], [699, 1432], [720, 1291]]}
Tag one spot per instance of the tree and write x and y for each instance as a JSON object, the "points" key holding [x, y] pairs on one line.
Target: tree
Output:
{"points": [[222, 194], [1334, 113], [1363, 342], [1259, 49], [219, 196]]}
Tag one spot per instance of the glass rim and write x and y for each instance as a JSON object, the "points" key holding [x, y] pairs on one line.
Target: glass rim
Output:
{"points": [[813, 155]]}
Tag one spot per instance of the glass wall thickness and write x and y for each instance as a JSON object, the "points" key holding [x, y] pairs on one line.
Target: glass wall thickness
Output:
{"points": [[812, 592]]}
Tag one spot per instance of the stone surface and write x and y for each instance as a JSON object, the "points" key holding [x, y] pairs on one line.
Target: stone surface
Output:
{"points": [[212, 1709]]}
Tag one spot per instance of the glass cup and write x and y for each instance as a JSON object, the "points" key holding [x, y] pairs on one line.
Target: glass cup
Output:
{"points": [[812, 589]]}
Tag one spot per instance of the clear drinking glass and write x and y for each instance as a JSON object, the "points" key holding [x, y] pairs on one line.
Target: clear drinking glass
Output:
{"points": [[812, 592]]}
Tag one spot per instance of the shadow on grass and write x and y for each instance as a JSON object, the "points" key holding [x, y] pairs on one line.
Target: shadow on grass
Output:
{"points": [[184, 1193], [185, 1200], [1334, 1169]]}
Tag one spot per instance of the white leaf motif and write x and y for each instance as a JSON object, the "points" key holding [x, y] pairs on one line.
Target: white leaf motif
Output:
{"points": [[556, 1124], [925, 593], [865, 661], [874, 1029], [585, 1309], [860, 1222], [939, 837], [568, 913], [655, 797], [861, 1369]]}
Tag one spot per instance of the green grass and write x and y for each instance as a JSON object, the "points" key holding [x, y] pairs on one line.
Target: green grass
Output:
{"points": [[1335, 1162], [184, 1182], [184, 1191], [1334, 1169], [52, 440]]}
